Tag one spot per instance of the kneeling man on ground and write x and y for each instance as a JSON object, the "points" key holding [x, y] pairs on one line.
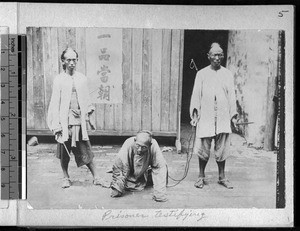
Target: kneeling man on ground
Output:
{"points": [[139, 163]]}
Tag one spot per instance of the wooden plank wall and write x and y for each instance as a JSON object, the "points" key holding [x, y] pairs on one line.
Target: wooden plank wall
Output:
{"points": [[152, 79]]}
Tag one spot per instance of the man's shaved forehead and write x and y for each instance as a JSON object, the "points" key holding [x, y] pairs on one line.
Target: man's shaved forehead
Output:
{"points": [[143, 138], [70, 51], [67, 50], [215, 47]]}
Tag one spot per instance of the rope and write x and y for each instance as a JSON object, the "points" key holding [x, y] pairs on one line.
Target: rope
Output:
{"points": [[188, 156], [188, 159]]}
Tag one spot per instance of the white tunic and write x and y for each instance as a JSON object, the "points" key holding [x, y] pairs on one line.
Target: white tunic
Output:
{"points": [[60, 103], [210, 85]]}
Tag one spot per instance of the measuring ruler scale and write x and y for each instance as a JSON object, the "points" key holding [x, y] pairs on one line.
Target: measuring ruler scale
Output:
{"points": [[13, 159]]}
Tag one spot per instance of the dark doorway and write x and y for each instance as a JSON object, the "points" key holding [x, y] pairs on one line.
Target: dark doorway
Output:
{"points": [[196, 46]]}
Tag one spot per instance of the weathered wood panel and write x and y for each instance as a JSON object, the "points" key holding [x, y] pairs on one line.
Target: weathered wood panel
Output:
{"points": [[165, 80], [127, 80], [109, 116], [146, 80], [180, 81], [62, 44], [29, 96], [81, 50], [48, 75], [54, 53], [137, 46], [71, 37], [50, 55], [156, 78], [118, 114], [38, 81], [151, 67], [175, 52], [100, 109]]}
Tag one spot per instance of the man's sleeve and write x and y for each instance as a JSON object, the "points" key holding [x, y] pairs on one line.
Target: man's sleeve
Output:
{"points": [[231, 96], [53, 110], [159, 172], [121, 168], [196, 95]]}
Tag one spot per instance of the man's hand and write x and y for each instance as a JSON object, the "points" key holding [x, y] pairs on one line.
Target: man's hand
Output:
{"points": [[115, 193], [90, 111], [234, 121], [57, 131], [195, 118], [88, 114], [58, 135], [194, 121]]}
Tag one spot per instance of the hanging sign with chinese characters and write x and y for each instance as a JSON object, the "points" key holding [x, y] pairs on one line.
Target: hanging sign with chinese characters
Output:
{"points": [[104, 64]]}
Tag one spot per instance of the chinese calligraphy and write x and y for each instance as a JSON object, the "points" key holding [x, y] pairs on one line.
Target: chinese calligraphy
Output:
{"points": [[104, 55], [103, 73], [104, 92], [104, 64], [104, 70], [103, 36]]}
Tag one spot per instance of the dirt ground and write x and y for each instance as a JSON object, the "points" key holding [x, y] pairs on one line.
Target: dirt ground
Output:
{"points": [[251, 171]]}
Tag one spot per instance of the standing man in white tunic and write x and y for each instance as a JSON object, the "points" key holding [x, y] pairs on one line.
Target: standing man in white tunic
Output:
{"points": [[212, 110], [69, 111]]}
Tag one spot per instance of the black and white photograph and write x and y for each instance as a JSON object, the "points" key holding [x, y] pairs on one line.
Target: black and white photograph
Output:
{"points": [[130, 122], [125, 118]]}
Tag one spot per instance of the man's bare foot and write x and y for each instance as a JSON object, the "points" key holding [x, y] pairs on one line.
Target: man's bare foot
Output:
{"points": [[66, 183], [101, 182], [200, 182], [226, 183]]}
